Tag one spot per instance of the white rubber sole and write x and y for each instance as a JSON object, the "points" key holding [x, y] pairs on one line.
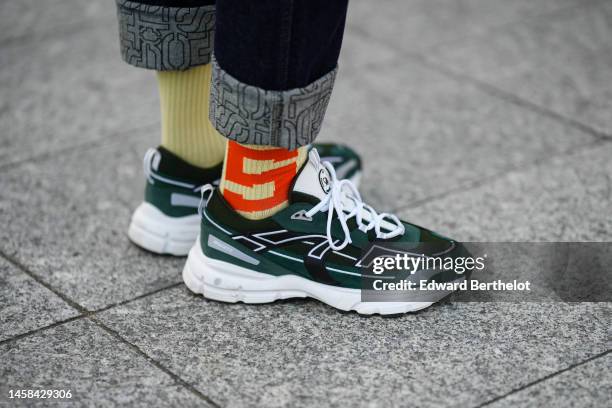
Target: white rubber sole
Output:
{"points": [[154, 231], [225, 282]]}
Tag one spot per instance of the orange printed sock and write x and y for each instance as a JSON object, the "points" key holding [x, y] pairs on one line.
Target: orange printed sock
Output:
{"points": [[256, 179]]}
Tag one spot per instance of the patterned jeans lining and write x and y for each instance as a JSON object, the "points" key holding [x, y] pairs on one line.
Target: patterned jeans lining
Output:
{"points": [[165, 38], [251, 115]]}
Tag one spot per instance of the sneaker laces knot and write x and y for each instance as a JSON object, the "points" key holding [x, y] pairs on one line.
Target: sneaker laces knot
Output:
{"points": [[344, 200]]}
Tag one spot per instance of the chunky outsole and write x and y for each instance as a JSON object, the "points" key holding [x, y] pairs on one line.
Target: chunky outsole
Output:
{"points": [[225, 282], [156, 232]]}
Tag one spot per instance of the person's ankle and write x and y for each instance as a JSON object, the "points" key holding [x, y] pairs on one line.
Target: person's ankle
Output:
{"points": [[256, 179]]}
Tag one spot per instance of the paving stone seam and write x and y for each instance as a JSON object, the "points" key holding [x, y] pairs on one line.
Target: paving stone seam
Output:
{"points": [[40, 281], [84, 313], [119, 338], [509, 97], [542, 379], [474, 184], [41, 329], [420, 59], [141, 296], [89, 313], [530, 19], [154, 362], [108, 139]]}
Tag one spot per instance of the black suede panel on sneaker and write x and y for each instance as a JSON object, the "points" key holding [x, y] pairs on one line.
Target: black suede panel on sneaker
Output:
{"points": [[175, 167]]}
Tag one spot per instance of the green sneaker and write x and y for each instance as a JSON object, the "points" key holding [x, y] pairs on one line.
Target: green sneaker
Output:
{"points": [[167, 221], [320, 246]]}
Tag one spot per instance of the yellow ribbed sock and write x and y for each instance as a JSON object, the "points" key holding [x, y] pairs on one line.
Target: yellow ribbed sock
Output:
{"points": [[256, 179], [186, 130]]}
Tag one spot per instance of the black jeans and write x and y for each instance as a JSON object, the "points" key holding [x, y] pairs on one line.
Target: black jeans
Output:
{"points": [[274, 61], [279, 45]]}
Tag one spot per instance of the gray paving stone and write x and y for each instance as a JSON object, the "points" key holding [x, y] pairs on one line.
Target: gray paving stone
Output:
{"points": [[66, 217], [562, 63], [566, 199], [422, 134], [31, 20], [417, 25], [589, 385], [303, 353], [359, 53], [60, 92], [26, 304], [81, 357]]}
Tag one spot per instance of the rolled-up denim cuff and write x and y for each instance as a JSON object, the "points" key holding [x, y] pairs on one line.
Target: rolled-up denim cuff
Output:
{"points": [[165, 38], [251, 115]]}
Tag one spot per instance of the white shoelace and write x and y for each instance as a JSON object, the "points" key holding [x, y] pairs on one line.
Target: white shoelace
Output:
{"points": [[344, 199]]}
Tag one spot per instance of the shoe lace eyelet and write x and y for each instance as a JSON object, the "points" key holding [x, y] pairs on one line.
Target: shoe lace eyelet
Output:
{"points": [[301, 215]]}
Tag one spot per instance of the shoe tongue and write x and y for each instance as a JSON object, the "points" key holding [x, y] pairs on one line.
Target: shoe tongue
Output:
{"points": [[313, 180]]}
